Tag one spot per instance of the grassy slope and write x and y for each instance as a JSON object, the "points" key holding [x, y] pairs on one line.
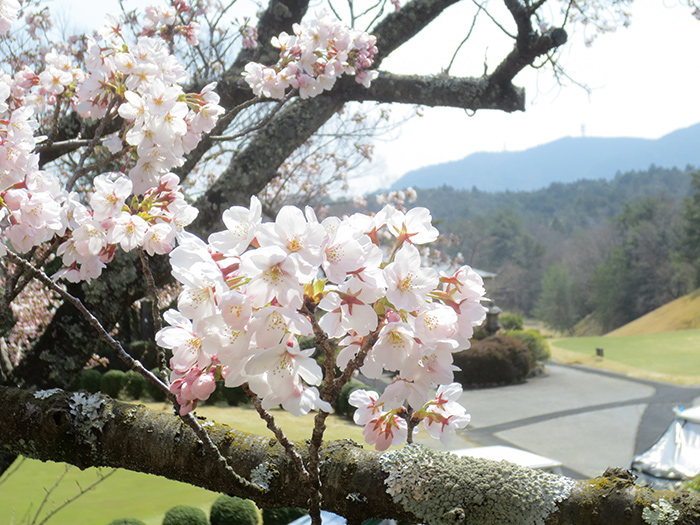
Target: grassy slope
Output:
{"points": [[671, 356], [663, 344], [128, 494], [681, 314]]}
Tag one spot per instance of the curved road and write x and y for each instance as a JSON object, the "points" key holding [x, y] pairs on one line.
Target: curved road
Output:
{"points": [[588, 419]]}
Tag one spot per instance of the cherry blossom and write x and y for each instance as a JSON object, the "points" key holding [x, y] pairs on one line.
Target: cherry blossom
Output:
{"points": [[285, 365], [241, 227], [313, 57], [349, 307], [444, 415], [414, 226], [407, 283]]}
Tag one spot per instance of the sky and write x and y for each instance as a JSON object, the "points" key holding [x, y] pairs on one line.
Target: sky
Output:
{"points": [[643, 82]]}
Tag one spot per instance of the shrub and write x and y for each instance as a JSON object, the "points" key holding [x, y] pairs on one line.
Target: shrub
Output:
{"points": [[495, 360], [90, 380], [135, 384], [185, 515], [479, 333], [511, 322], [126, 521], [152, 391], [112, 383], [342, 405], [282, 515], [229, 510], [535, 342]]}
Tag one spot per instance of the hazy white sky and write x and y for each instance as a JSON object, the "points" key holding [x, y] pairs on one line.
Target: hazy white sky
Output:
{"points": [[644, 81]]}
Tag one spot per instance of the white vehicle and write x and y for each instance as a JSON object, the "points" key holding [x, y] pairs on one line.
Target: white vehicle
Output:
{"points": [[675, 458]]}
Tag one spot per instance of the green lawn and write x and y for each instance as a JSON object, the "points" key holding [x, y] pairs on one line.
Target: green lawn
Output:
{"points": [[142, 496], [674, 353], [125, 494]]}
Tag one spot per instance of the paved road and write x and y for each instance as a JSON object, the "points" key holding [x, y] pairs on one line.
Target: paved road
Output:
{"points": [[586, 418]]}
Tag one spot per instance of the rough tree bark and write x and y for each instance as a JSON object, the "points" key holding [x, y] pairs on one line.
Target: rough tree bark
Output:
{"points": [[413, 483]]}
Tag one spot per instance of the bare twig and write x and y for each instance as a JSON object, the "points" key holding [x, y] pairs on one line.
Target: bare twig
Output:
{"points": [[277, 431], [81, 492], [258, 125], [469, 34], [58, 481], [91, 147], [15, 467]]}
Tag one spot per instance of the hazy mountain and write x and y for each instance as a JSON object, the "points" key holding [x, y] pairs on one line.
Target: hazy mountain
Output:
{"points": [[564, 160]]}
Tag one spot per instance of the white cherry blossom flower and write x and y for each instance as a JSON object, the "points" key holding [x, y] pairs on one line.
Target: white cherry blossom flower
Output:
{"points": [[408, 284], [414, 226], [241, 227]]}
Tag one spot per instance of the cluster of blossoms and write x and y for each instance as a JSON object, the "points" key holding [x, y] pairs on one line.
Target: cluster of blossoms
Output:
{"points": [[142, 84], [164, 123], [249, 35], [253, 290], [29, 198], [151, 222], [441, 416], [313, 58], [163, 21], [57, 77]]}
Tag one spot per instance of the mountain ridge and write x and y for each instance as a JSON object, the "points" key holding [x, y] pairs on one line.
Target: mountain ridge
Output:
{"points": [[567, 159]]}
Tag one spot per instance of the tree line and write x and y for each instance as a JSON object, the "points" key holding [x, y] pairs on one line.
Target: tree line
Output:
{"points": [[614, 249]]}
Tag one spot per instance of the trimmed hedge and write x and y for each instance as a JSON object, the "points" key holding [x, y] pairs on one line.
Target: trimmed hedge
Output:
{"points": [[511, 322], [89, 380], [536, 343], [112, 382], [342, 405], [134, 384], [230, 510], [233, 396], [495, 360], [282, 515], [185, 515]]}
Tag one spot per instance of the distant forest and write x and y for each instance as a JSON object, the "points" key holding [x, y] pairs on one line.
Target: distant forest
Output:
{"points": [[611, 249]]}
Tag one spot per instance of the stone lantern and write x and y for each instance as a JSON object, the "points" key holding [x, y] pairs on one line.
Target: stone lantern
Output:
{"points": [[492, 311]]}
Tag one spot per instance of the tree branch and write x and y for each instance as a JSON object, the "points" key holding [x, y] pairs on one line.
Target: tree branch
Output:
{"points": [[529, 45], [440, 90], [412, 483]]}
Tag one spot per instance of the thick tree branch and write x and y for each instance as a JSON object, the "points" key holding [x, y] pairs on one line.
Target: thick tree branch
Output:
{"points": [[440, 90], [529, 45], [412, 483], [249, 171]]}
